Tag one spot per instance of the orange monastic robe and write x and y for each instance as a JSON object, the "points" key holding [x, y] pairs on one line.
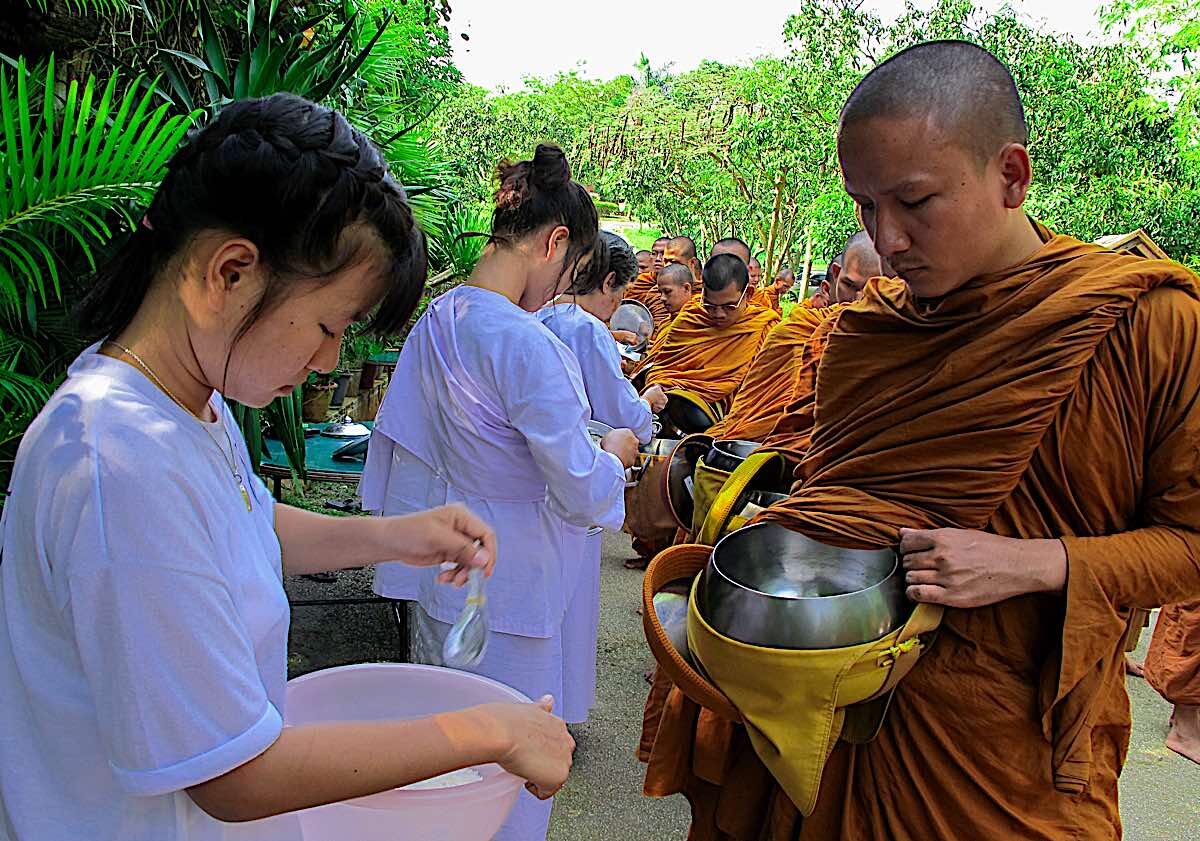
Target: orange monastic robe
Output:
{"points": [[766, 296], [644, 288], [769, 385], [694, 355], [1173, 662], [1046, 401]]}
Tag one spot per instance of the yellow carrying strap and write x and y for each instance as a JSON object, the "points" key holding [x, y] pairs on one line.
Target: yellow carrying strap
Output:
{"points": [[719, 516], [706, 486], [793, 701]]}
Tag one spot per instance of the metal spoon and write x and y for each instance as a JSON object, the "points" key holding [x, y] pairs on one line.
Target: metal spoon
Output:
{"points": [[467, 640]]}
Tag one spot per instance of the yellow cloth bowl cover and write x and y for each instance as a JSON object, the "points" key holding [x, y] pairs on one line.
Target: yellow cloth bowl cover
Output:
{"points": [[793, 701]]}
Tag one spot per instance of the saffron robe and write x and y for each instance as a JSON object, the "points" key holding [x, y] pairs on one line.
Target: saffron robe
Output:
{"points": [[1046, 401]]}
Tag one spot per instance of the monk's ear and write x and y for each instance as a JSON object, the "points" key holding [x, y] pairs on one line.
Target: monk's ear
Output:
{"points": [[1016, 174]]}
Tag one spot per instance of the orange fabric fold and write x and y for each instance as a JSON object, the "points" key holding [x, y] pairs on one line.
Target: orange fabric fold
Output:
{"points": [[769, 385], [711, 362], [1049, 400], [766, 296], [1173, 662], [644, 288]]}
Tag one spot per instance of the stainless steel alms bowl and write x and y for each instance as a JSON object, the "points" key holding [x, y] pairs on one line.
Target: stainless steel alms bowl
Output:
{"points": [[598, 430], [769, 586], [728, 455], [752, 503], [635, 317]]}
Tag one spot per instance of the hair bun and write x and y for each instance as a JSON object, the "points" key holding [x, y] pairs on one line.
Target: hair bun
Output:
{"points": [[550, 170], [514, 185]]}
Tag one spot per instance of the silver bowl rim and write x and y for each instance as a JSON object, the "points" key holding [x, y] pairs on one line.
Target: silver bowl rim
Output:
{"points": [[600, 428], [716, 445], [715, 567]]}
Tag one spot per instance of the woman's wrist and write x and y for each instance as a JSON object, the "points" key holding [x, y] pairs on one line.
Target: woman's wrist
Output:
{"points": [[475, 735]]}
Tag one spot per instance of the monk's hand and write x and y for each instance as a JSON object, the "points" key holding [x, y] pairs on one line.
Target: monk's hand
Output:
{"points": [[623, 444], [964, 568], [625, 337], [450, 535], [656, 397]]}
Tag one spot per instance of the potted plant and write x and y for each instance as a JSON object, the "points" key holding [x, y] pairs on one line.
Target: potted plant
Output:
{"points": [[367, 346], [318, 392], [356, 347]]}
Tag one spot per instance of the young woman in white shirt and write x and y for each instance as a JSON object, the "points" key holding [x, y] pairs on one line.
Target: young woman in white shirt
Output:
{"points": [[143, 621], [487, 408], [579, 318]]}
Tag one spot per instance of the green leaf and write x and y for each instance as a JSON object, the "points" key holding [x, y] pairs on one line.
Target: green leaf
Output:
{"points": [[73, 177], [214, 52], [189, 58]]}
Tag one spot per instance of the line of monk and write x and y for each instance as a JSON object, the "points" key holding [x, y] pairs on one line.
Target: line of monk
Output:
{"points": [[769, 387], [708, 347], [1013, 412]]}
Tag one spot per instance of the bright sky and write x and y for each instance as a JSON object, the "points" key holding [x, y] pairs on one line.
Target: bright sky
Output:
{"points": [[511, 39]]}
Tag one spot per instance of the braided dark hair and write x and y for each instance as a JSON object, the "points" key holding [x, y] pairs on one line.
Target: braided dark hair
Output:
{"points": [[299, 182], [540, 192], [611, 254]]}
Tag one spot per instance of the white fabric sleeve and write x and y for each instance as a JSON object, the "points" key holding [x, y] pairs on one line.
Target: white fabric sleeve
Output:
{"points": [[545, 401], [614, 399], [166, 653]]}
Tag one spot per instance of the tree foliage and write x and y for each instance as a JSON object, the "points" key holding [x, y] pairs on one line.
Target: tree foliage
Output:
{"points": [[750, 149]]}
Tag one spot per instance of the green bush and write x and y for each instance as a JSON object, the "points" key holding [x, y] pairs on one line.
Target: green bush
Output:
{"points": [[607, 208]]}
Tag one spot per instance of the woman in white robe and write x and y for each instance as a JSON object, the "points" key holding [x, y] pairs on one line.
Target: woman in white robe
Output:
{"points": [[487, 408], [579, 318]]}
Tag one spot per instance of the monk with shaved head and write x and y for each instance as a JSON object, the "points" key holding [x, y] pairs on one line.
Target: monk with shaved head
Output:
{"points": [[644, 287], [1015, 419], [674, 288], [659, 249], [710, 344], [731, 245], [682, 250], [859, 263]]}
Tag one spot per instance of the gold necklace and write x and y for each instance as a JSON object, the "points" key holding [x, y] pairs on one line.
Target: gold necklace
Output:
{"points": [[229, 459]]}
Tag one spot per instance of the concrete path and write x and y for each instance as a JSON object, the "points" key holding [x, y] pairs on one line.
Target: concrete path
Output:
{"points": [[1160, 791]]}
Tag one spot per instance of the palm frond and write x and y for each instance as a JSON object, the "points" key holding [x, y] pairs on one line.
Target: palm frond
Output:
{"points": [[21, 395], [70, 173], [85, 7]]}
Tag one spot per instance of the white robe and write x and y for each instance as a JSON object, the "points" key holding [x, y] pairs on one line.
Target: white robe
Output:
{"points": [[613, 398], [488, 408]]}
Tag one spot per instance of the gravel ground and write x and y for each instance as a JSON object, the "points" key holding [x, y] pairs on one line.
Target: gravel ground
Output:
{"points": [[1160, 791]]}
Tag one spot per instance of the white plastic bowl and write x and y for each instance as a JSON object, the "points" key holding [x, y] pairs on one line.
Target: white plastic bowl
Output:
{"points": [[377, 691]]}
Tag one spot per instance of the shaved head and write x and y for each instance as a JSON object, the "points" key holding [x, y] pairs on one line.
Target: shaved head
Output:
{"points": [[932, 147], [645, 261], [675, 286], [860, 263], [731, 245], [724, 270], [675, 273], [956, 85], [683, 247]]}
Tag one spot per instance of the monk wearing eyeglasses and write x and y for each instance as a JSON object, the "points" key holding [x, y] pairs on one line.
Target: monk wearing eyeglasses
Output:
{"points": [[709, 346]]}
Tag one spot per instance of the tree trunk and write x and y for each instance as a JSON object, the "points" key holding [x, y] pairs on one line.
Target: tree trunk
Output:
{"points": [[807, 273]]}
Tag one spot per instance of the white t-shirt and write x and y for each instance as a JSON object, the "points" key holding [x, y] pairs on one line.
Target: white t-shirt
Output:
{"points": [[143, 621]]}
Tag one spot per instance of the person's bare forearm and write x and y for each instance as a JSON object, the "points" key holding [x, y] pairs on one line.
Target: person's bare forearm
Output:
{"points": [[324, 763], [314, 542]]}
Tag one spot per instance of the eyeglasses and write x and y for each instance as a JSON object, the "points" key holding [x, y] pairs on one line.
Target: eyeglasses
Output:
{"points": [[713, 309]]}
